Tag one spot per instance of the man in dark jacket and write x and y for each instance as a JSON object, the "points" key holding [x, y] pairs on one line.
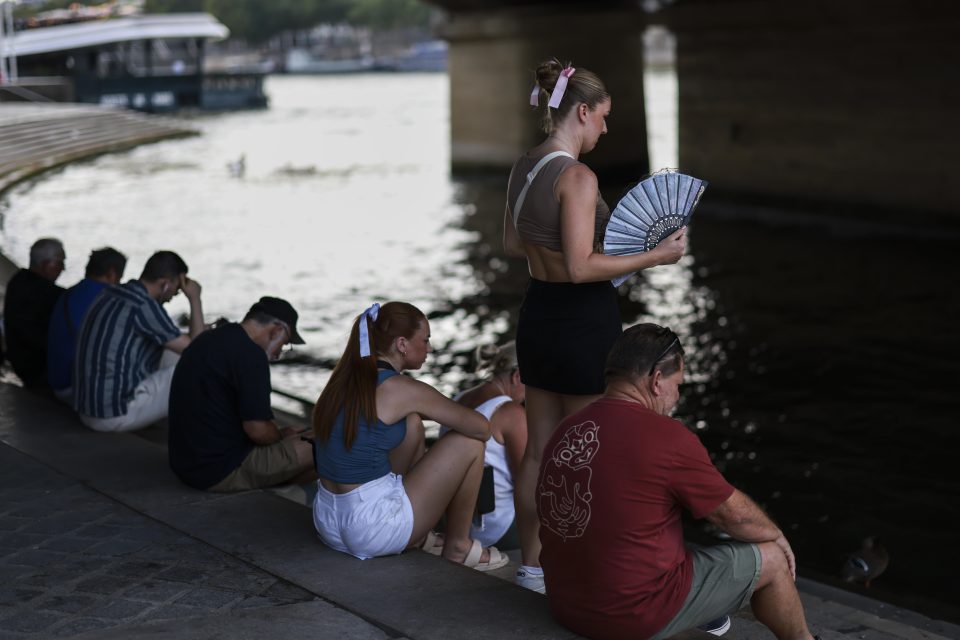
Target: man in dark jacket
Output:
{"points": [[28, 304]]}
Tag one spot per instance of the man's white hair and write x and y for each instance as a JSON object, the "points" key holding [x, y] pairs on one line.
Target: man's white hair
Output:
{"points": [[45, 250]]}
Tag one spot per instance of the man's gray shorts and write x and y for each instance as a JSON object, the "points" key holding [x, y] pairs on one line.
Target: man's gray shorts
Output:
{"points": [[723, 580]]}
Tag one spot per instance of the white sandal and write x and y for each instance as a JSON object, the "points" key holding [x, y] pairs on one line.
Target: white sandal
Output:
{"points": [[497, 559], [433, 544]]}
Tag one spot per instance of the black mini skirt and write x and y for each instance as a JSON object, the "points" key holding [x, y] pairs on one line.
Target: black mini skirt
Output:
{"points": [[564, 334]]}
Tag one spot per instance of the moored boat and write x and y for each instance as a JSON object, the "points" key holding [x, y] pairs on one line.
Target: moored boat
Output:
{"points": [[145, 62]]}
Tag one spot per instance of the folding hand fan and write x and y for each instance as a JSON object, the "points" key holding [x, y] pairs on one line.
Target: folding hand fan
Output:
{"points": [[650, 212]]}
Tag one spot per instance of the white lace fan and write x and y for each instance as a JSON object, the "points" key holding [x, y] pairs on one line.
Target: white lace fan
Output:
{"points": [[651, 211]]}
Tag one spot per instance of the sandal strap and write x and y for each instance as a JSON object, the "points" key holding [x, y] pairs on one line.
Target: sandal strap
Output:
{"points": [[429, 541], [474, 555], [433, 544]]}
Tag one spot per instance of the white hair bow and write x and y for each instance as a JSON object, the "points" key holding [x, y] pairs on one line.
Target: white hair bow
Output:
{"points": [[371, 312]]}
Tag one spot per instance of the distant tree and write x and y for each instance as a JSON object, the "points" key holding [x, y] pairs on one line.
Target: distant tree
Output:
{"points": [[259, 20], [174, 6], [388, 14], [27, 10]]}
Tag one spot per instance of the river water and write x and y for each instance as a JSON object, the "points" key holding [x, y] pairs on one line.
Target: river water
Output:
{"points": [[820, 355]]}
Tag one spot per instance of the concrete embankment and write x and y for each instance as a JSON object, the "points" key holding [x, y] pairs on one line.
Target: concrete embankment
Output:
{"points": [[38, 137]]}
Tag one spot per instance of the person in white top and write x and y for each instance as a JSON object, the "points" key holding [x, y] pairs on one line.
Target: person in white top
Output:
{"points": [[499, 398]]}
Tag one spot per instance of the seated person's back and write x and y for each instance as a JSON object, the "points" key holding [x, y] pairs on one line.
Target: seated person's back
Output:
{"points": [[614, 481], [221, 421], [499, 398], [120, 381], [607, 530], [121, 343], [28, 304], [105, 267]]}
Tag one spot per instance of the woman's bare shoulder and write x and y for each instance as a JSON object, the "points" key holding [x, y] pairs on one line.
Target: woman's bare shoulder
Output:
{"points": [[510, 412], [577, 176]]}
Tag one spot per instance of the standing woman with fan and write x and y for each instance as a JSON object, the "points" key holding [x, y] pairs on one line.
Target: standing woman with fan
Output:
{"points": [[570, 317]]}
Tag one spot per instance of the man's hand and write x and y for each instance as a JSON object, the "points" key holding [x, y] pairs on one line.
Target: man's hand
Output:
{"points": [[190, 288], [787, 551]]}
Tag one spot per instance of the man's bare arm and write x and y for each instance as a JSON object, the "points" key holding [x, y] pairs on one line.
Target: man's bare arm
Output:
{"points": [[745, 521], [262, 432]]}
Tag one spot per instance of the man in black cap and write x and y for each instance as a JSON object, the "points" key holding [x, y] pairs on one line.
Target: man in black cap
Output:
{"points": [[222, 434]]}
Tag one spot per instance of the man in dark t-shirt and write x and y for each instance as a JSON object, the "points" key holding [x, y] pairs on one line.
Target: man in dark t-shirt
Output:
{"points": [[222, 434], [28, 303], [613, 483]]}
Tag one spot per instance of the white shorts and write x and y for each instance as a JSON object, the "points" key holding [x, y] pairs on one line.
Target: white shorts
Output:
{"points": [[149, 403], [375, 519]]}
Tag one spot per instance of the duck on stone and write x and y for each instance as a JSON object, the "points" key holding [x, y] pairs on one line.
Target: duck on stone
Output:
{"points": [[867, 563]]}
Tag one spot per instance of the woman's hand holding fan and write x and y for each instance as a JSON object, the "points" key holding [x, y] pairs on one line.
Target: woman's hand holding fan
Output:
{"points": [[652, 211]]}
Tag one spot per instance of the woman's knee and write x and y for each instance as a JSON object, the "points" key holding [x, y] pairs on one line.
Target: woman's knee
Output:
{"points": [[462, 444]]}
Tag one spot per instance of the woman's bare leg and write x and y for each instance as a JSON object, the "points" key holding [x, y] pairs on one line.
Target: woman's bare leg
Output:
{"points": [[447, 480], [544, 412], [572, 404]]}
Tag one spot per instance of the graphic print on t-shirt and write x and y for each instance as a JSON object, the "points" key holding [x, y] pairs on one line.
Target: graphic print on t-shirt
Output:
{"points": [[564, 491]]}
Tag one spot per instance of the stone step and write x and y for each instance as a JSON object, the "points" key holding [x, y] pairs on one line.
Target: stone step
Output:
{"points": [[34, 138], [55, 141], [51, 139]]}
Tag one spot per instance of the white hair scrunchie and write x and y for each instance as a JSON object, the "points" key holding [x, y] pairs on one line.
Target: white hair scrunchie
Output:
{"points": [[370, 312]]}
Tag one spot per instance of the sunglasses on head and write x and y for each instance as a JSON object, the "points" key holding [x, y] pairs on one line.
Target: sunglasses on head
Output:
{"points": [[663, 354]]}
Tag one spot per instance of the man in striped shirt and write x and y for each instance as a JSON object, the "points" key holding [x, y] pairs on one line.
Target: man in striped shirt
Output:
{"points": [[122, 372]]}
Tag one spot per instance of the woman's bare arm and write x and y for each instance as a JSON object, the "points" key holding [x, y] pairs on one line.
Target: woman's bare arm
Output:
{"points": [[577, 191], [400, 396], [510, 420]]}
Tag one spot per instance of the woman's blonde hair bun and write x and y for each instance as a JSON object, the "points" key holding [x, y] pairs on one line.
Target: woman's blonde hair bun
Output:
{"points": [[493, 360]]}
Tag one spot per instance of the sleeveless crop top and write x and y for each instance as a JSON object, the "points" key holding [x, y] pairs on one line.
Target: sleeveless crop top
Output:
{"points": [[539, 221], [368, 458]]}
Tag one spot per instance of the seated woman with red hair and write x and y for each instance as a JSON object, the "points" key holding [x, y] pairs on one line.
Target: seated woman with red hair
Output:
{"points": [[378, 492]]}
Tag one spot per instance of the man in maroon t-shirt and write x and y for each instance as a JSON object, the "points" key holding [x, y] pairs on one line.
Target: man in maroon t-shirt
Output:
{"points": [[614, 480]]}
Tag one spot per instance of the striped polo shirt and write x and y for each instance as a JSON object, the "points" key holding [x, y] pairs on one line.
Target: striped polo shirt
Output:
{"points": [[121, 341]]}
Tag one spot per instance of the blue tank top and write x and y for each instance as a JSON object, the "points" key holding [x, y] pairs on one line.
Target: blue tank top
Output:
{"points": [[368, 458]]}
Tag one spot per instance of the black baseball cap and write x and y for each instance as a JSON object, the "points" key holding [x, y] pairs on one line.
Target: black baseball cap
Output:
{"points": [[282, 311]]}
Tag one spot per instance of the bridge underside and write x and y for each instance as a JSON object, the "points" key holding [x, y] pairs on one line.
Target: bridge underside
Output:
{"points": [[852, 102], [493, 56]]}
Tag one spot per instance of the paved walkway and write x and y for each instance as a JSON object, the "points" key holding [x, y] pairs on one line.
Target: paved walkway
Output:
{"points": [[75, 560], [99, 540]]}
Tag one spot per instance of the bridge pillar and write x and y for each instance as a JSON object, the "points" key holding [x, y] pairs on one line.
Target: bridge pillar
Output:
{"points": [[847, 102], [492, 59]]}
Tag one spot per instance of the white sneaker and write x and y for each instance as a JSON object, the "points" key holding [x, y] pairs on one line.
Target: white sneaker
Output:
{"points": [[530, 581]]}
